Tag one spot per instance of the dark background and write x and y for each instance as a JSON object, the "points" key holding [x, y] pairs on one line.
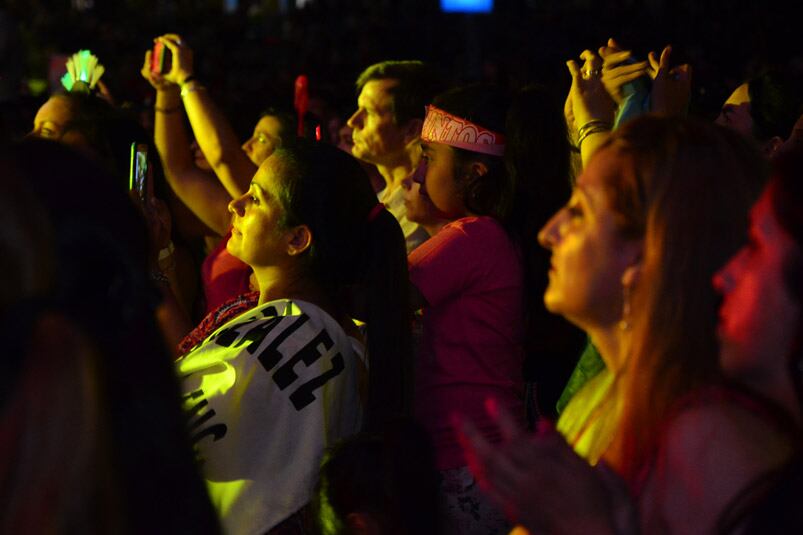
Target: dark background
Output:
{"points": [[250, 58]]}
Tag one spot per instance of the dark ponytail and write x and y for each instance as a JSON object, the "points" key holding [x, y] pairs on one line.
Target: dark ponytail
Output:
{"points": [[358, 256]]}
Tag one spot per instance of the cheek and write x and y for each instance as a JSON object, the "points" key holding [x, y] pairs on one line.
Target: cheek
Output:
{"points": [[758, 323], [442, 189], [585, 285]]}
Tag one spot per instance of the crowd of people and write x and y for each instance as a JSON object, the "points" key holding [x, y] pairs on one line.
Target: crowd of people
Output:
{"points": [[357, 334]]}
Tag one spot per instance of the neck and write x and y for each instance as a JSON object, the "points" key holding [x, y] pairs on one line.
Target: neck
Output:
{"points": [[612, 343], [779, 389], [434, 228], [277, 283], [401, 167]]}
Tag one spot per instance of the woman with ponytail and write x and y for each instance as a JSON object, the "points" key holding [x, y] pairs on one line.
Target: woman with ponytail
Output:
{"points": [[271, 389]]}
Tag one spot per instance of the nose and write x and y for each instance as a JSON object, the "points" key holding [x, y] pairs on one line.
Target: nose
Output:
{"points": [[420, 173], [247, 146], [353, 120], [548, 235], [237, 206], [723, 279]]}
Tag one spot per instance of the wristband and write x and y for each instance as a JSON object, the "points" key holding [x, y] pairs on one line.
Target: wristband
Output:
{"points": [[588, 132], [593, 125], [190, 87]]}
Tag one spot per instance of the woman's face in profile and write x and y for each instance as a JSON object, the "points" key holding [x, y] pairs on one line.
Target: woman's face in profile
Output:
{"points": [[257, 236], [589, 256], [759, 316], [265, 139]]}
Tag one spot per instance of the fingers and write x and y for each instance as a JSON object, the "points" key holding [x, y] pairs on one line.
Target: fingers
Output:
{"points": [[665, 54], [171, 43], [176, 38], [574, 69], [660, 65], [654, 63], [146, 65], [640, 67], [510, 430], [592, 61], [618, 81], [611, 59], [475, 447]]}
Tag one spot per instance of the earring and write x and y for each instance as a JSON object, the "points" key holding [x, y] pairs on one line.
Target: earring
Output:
{"points": [[624, 323]]}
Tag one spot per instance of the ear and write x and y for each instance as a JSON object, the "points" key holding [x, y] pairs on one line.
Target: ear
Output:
{"points": [[362, 524], [412, 131], [632, 273], [772, 145], [477, 169], [299, 239]]}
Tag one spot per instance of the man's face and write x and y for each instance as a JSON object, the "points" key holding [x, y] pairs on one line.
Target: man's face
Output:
{"points": [[377, 137]]}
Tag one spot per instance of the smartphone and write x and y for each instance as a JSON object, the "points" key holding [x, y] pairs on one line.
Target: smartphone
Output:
{"points": [[138, 171], [160, 58]]}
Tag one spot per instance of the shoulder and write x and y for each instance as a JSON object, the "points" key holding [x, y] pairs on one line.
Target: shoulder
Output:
{"points": [[479, 226], [710, 451], [469, 234], [716, 417]]}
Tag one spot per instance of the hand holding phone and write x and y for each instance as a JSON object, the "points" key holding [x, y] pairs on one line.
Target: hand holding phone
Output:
{"points": [[139, 175], [160, 58]]}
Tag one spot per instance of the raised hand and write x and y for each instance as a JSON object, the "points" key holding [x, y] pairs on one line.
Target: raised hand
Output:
{"points": [[588, 99], [157, 81], [538, 480], [671, 87], [182, 58], [618, 69]]}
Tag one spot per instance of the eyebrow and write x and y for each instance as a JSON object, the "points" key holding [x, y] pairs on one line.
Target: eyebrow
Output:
{"points": [[259, 189]]}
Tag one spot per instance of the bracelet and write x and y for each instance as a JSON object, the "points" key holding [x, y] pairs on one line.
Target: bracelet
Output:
{"points": [[590, 131], [166, 110], [190, 87], [595, 124]]}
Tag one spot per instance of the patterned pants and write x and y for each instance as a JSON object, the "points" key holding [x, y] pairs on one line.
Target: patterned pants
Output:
{"points": [[463, 507]]}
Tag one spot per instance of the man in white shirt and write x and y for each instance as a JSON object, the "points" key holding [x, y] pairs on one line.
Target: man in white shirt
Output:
{"points": [[386, 129]]}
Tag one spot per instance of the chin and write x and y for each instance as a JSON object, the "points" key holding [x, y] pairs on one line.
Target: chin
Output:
{"points": [[552, 304]]}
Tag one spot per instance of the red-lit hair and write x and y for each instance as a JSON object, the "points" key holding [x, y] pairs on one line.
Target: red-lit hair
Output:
{"points": [[694, 185]]}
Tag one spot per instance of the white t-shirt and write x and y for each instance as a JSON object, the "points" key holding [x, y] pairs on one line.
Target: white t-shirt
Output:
{"points": [[266, 394], [414, 234]]}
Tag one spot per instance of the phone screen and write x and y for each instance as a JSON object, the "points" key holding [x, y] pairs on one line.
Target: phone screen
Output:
{"points": [[160, 58], [138, 171]]}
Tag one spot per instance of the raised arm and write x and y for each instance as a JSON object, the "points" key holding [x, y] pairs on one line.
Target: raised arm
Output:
{"points": [[589, 108], [198, 189], [212, 130]]}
